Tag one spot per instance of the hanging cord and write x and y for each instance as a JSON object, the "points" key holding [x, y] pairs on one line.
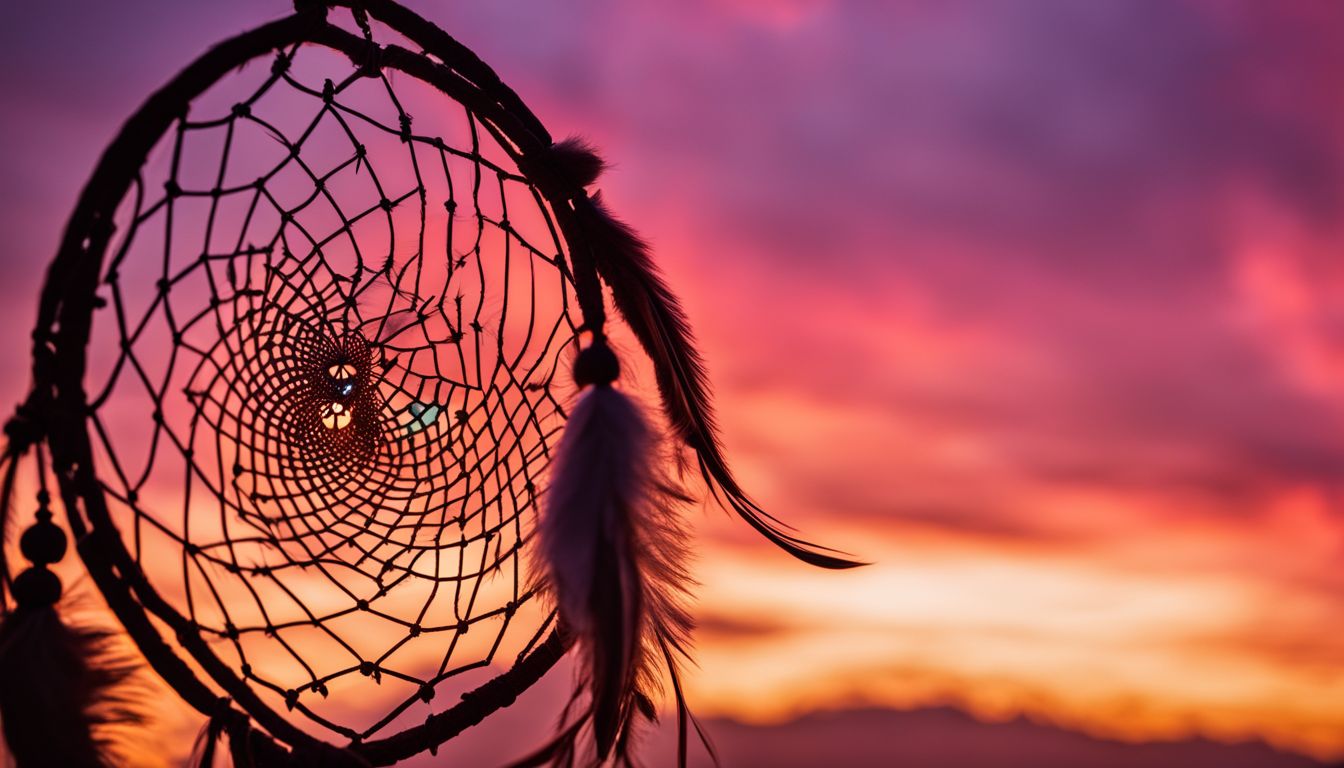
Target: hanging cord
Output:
{"points": [[43, 544], [61, 685], [22, 432]]}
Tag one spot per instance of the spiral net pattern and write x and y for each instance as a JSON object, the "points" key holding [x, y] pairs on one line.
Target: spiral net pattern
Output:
{"points": [[328, 391]]}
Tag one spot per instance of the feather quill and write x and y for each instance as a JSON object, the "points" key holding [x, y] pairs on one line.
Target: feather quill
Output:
{"points": [[612, 547]]}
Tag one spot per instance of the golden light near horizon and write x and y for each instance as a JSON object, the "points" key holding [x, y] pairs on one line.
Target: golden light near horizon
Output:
{"points": [[1093, 642]]}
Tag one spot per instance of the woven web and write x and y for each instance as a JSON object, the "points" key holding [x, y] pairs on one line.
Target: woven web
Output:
{"points": [[323, 387]]}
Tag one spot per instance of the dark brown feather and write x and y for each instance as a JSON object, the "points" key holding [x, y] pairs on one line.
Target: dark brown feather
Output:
{"points": [[654, 314], [63, 691], [577, 161]]}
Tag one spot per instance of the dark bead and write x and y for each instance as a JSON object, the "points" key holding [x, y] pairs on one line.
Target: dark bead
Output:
{"points": [[596, 364], [43, 543], [36, 587]]}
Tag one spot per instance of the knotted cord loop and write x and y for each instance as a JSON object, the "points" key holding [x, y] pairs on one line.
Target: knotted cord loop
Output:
{"points": [[596, 364], [22, 430]]}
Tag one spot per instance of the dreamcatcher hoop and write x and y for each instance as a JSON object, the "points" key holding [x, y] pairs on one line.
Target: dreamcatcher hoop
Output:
{"points": [[595, 249], [65, 315]]}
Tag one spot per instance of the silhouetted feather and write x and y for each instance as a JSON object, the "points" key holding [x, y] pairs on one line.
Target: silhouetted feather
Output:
{"points": [[684, 712], [203, 751], [63, 691], [10, 464], [656, 317], [577, 160]]}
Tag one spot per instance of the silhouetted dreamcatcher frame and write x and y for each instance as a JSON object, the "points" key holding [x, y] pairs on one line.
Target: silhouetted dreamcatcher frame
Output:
{"points": [[593, 250]]}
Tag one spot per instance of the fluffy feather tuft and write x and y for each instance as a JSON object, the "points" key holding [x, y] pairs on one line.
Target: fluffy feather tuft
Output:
{"points": [[654, 314], [65, 697], [612, 546], [577, 160]]}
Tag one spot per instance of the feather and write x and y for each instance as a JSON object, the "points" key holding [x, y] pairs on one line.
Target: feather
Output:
{"points": [[654, 314], [203, 751], [611, 545], [577, 161], [63, 692], [9, 465]]}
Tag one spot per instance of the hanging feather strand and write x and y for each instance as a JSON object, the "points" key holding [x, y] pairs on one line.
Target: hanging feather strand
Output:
{"points": [[654, 314], [576, 160], [65, 693], [613, 551]]}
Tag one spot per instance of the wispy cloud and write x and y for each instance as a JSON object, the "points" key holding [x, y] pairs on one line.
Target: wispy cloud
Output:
{"points": [[1033, 303]]}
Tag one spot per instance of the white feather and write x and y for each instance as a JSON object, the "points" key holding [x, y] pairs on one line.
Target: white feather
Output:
{"points": [[612, 545]]}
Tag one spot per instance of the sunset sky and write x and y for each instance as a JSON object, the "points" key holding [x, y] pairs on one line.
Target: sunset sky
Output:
{"points": [[1035, 305]]}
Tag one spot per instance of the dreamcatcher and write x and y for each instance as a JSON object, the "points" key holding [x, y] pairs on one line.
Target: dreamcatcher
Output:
{"points": [[304, 380]]}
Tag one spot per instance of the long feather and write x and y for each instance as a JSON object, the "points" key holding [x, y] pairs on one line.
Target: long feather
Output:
{"points": [[654, 314], [611, 543]]}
